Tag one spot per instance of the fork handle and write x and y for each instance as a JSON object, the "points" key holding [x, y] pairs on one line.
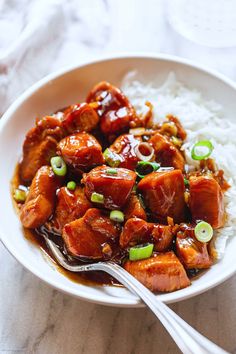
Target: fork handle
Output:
{"points": [[186, 337]]}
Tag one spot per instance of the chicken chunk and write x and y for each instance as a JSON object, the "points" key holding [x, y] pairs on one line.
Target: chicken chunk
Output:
{"points": [[124, 146], [137, 231], [71, 205], [39, 146], [40, 201], [163, 193], [206, 201], [81, 151], [93, 236], [79, 118], [167, 153], [161, 272], [134, 208], [115, 188], [115, 110], [192, 253]]}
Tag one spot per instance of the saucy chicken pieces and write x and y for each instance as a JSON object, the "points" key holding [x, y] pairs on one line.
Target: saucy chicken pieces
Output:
{"points": [[109, 185]]}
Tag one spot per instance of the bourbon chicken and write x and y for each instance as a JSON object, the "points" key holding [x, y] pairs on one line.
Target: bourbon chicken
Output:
{"points": [[105, 184]]}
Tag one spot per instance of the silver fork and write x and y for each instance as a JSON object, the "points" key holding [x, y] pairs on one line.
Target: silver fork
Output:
{"points": [[186, 337]]}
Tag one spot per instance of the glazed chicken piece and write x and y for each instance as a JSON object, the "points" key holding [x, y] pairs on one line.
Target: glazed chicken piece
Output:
{"points": [[39, 146], [93, 236], [124, 146], [137, 231], [167, 153], [163, 193], [206, 201], [115, 188], [71, 205], [134, 208], [81, 151], [79, 118], [161, 272], [40, 201], [192, 253], [114, 109]]}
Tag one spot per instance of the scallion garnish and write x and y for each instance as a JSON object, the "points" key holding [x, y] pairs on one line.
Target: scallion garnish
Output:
{"points": [[71, 185], [97, 198], [186, 181], [145, 167], [112, 159], [111, 171], [203, 231], [58, 166], [19, 195], [117, 215], [202, 150], [140, 252]]}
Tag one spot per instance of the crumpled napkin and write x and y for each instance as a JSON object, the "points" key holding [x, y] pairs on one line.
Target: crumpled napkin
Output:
{"points": [[40, 36]]}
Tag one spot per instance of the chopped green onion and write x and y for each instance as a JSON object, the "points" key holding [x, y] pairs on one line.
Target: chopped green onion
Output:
{"points": [[145, 167], [58, 166], [97, 198], [140, 252], [117, 215], [186, 181], [202, 150], [19, 195], [111, 171], [112, 159], [71, 185], [203, 231]]}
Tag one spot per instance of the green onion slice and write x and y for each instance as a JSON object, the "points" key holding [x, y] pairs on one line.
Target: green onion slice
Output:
{"points": [[140, 252], [71, 185], [112, 159], [19, 195], [186, 181], [145, 167], [202, 150], [97, 198], [111, 171], [117, 215], [58, 166], [203, 231]]}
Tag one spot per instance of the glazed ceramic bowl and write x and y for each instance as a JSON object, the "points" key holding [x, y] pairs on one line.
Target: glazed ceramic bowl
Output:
{"points": [[69, 86]]}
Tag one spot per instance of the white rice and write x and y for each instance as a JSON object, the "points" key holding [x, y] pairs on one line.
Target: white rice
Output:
{"points": [[202, 120]]}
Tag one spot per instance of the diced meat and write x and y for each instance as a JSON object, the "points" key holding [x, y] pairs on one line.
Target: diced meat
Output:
{"points": [[80, 118], [125, 146], [40, 201], [192, 253], [71, 205], [163, 193], [39, 146], [137, 231], [81, 151], [134, 208], [115, 110], [115, 188], [166, 152], [162, 237], [93, 236], [161, 272], [206, 201]]}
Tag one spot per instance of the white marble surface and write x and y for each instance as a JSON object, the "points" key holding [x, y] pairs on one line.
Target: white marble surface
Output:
{"points": [[34, 318]]}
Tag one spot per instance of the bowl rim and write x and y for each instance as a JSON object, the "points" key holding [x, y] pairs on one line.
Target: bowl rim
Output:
{"points": [[106, 299]]}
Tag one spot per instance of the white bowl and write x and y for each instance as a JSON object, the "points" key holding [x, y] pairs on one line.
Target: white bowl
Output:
{"points": [[69, 86]]}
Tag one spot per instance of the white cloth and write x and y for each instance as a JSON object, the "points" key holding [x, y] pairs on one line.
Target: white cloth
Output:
{"points": [[40, 36]]}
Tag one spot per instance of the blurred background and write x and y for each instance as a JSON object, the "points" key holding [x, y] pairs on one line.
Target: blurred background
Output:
{"points": [[41, 36], [38, 37]]}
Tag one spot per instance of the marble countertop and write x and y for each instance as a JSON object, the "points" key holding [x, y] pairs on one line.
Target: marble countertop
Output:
{"points": [[34, 318]]}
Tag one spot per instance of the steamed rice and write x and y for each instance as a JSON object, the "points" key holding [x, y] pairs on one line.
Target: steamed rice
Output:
{"points": [[202, 120]]}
